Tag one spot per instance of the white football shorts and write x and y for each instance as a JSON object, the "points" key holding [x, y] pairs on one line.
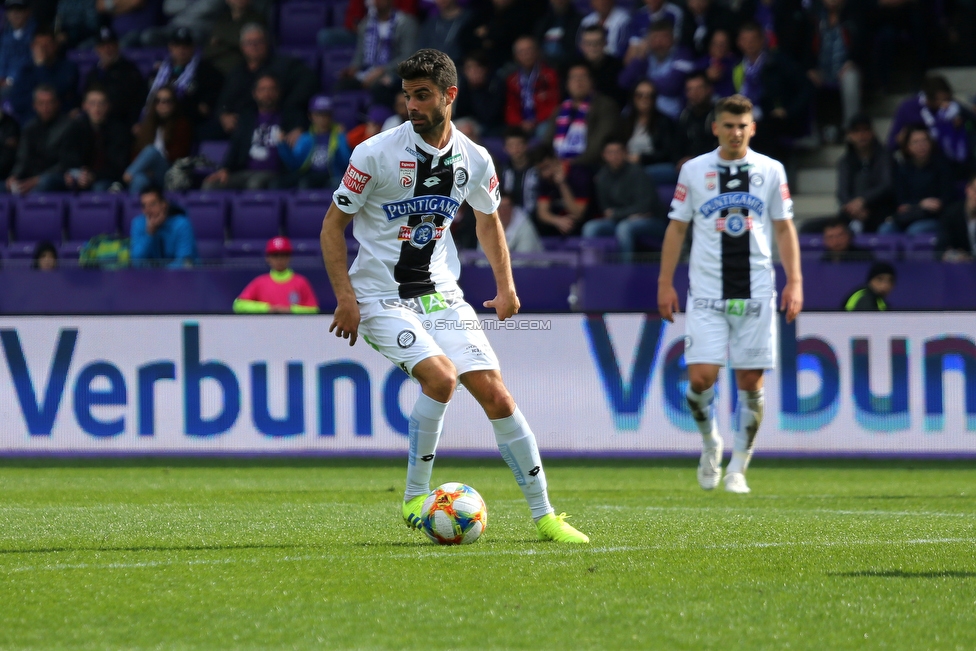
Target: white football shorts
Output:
{"points": [[742, 330], [409, 330]]}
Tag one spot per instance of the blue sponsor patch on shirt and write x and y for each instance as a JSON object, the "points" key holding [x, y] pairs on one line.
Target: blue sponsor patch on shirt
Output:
{"points": [[729, 200], [432, 205]]}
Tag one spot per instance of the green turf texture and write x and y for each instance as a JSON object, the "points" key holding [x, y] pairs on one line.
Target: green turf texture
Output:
{"points": [[312, 554]]}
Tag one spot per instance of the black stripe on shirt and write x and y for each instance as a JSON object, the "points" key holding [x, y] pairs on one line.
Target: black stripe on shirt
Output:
{"points": [[736, 272]]}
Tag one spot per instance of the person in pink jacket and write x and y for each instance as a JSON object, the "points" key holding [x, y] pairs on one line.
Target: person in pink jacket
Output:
{"points": [[281, 290]]}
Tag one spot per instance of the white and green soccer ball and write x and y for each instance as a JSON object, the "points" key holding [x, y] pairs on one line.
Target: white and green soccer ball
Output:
{"points": [[454, 514]]}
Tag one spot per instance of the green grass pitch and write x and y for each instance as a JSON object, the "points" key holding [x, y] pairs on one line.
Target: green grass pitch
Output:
{"points": [[311, 554]]}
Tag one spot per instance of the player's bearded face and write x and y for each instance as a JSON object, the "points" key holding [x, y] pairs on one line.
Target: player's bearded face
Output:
{"points": [[429, 118]]}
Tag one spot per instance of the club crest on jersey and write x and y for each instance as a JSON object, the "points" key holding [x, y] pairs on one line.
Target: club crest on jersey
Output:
{"points": [[408, 173], [435, 204], [422, 234], [460, 177], [355, 179], [735, 224], [710, 178], [756, 180], [730, 200]]}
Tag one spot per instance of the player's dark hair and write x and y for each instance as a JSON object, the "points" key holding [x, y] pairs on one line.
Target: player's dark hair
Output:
{"points": [[734, 104], [429, 64]]}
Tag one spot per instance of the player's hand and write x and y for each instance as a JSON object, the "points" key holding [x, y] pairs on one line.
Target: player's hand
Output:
{"points": [[792, 301], [667, 302], [505, 304], [345, 322]]}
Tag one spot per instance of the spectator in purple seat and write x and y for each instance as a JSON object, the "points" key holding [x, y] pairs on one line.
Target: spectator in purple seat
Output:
{"points": [[719, 64], [321, 154], [97, 147], [15, 40], [702, 19], [223, 49], [667, 65], [556, 33], [625, 202], [833, 68], [480, 94], [839, 244], [957, 237], [864, 178], [76, 22], [45, 257], [119, 77], [923, 185], [614, 20], [162, 137], [162, 235], [442, 29], [296, 81], [9, 142], [950, 124], [385, 37], [253, 161], [532, 90], [41, 153], [583, 121], [518, 177], [45, 67], [563, 201], [693, 131], [779, 91], [649, 137], [605, 69], [195, 81], [653, 11]]}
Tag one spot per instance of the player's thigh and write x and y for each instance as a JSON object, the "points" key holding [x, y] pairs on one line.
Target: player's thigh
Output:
{"points": [[706, 332], [398, 334], [457, 332], [752, 342]]}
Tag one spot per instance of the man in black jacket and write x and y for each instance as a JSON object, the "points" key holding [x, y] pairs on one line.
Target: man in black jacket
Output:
{"points": [[41, 153], [252, 160], [694, 128], [119, 77], [296, 80], [97, 147]]}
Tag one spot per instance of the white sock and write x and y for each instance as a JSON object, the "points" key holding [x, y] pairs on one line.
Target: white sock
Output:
{"points": [[751, 406], [703, 411], [426, 422], [516, 442]]}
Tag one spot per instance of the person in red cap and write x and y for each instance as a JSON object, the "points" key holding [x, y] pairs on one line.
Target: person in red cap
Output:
{"points": [[281, 291]]}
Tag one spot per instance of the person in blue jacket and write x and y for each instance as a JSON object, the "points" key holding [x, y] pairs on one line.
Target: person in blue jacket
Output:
{"points": [[321, 154], [162, 235]]}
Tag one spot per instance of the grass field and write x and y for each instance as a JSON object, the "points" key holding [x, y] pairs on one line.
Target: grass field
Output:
{"points": [[312, 554]]}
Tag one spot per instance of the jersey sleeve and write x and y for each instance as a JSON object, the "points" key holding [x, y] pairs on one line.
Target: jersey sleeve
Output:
{"points": [[486, 196], [681, 209], [780, 202], [357, 182]]}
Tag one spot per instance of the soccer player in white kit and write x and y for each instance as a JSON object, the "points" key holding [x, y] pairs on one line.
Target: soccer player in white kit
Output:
{"points": [[736, 200], [401, 190]]}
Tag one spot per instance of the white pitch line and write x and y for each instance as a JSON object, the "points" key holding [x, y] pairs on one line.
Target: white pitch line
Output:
{"points": [[426, 552], [766, 509]]}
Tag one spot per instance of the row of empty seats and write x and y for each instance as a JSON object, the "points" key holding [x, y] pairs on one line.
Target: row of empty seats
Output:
{"points": [[883, 247]]}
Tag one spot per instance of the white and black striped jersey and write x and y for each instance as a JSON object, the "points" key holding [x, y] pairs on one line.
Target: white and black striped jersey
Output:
{"points": [[404, 194], [731, 205]]}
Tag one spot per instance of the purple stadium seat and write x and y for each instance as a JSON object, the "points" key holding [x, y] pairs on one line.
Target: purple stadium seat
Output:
{"points": [[334, 60], [255, 216], [885, 247], [920, 247], [664, 194], [85, 60], [39, 217], [138, 20], [304, 214], [210, 250], [496, 147], [307, 55], [810, 242], [214, 150], [299, 22], [208, 213], [348, 106], [92, 214]]}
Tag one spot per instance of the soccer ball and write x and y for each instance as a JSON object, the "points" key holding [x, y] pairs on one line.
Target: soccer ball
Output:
{"points": [[454, 514]]}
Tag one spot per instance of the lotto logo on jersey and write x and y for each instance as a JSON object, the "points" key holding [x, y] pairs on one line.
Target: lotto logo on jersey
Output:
{"points": [[735, 225], [408, 173], [680, 192], [355, 179], [784, 191]]}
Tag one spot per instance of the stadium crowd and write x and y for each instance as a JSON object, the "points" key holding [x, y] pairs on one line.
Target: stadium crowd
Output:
{"points": [[590, 108]]}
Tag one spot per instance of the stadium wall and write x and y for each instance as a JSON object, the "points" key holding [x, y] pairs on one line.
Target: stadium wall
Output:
{"points": [[601, 384]]}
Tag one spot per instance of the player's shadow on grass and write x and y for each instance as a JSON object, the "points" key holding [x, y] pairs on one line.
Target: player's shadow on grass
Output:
{"points": [[901, 574], [154, 548]]}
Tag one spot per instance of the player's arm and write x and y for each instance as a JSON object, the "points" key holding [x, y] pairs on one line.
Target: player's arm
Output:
{"points": [[345, 321], [667, 297], [491, 235], [789, 254]]}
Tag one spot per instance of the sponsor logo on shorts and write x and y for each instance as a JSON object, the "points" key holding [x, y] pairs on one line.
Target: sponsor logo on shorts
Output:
{"points": [[460, 177], [756, 352], [355, 179], [406, 338], [408, 173], [471, 349], [745, 307], [688, 342], [680, 192]]}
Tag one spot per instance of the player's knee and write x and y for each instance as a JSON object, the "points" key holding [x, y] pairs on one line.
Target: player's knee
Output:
{"points": [[498, 403], [437, 377], [700, 381]]}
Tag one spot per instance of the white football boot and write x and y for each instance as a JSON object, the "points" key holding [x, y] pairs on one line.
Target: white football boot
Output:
{"points": [[710, 466], [735, 482]]}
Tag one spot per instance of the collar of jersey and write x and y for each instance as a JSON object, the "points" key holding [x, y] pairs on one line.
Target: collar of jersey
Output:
{"points": [[430, 149], [731, 163]]}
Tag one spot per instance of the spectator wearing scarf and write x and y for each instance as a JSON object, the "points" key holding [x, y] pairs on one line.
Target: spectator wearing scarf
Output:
{"points": [[196, 82], [584, 121], [385, 38], [532, 91]]}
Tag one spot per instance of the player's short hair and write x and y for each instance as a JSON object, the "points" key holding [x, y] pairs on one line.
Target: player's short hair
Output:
{"points": [[429, 64], [734, 104]]}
